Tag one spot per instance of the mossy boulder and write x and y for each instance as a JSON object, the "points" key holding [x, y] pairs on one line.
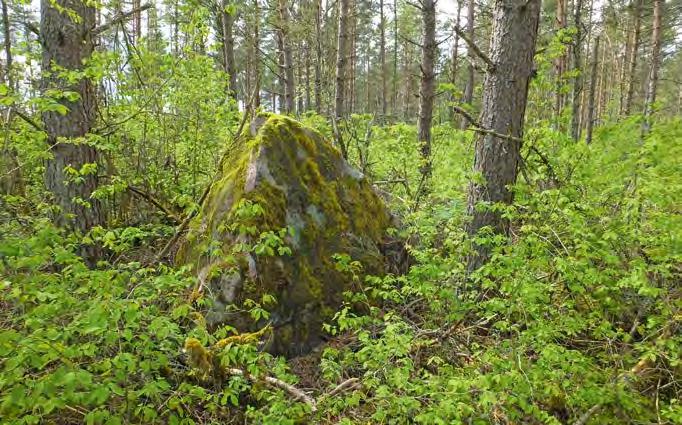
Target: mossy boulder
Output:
{"points": [[283, 175]]}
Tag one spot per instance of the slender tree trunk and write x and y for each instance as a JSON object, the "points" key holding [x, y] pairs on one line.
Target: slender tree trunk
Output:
{"points": [[394, 103], [426, 89], [559, 63], [67, 43], [368, 86], [308, 94], [137, 21], [9, 78], [577, 68], [318, 55], [256, 54], [469, 88], [289, 84], [341, 61], [12, 181], [382, 56], [652, 82], [512, 46], [593, 86], [350, 106], [455, 59], [632, 68], [176, 28], [227, 20], [281, 106]]}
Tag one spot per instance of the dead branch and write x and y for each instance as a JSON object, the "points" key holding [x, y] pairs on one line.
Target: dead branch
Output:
{"points": [[119, 18], [475, 126], [149, 198], [277, 383], [474, 48]]}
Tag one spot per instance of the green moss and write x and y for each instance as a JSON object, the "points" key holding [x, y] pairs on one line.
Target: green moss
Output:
{"points": [[299, 179]]}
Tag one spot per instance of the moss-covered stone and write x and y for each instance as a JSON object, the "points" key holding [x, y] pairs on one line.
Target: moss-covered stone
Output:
{"points": [[302, 183]]}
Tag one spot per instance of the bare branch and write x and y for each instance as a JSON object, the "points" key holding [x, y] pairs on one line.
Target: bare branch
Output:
{"points": [[119, 18], [33, 28], [278, 383], [475, 49], [475, 126]]}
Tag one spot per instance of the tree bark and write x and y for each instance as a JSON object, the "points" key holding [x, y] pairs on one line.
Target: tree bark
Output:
{"points": [[560, 62], [9, 78], [577, 68], [289, 84], [468, 96], [512, 46], [318, 55], [256, 55], [341, 60], [382, 55], [137, 21], [227, 20], [455, 59], [281, 79], [632, 66], [593, 86], [652, 82], [67, 43], [394, 98], [341, 64], [426, 89]]}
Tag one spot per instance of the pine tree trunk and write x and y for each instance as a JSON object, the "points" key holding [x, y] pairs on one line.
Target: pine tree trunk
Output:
{"points": [[289, 84], [318, 55], [560, 62], [469, 88], [512, 46], [382, 55], [593, 86], [9, 78], [67, 43], [455, 60], [577, 68], [341, 60], [341, 64], [137, 21], [394, 98], [426, 89], [652, 82], [632, 68], [227, 20], [308, 94], [256, 54], [281, 104], [11, 179]]}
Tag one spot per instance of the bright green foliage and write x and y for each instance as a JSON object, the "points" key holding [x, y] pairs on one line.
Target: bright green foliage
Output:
{"points": [[581, 309]]}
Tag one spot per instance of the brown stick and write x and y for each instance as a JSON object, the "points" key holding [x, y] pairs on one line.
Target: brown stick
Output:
{"points": [[474, 48], [149, 198], [277, 383], [119, 18]]}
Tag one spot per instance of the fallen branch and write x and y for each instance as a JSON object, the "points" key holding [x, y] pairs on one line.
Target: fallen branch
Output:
{"points": [[350, 383], [277, 383]]}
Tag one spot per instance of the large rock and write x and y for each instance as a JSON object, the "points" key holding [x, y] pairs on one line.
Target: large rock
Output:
{"points": [[302, 183]]}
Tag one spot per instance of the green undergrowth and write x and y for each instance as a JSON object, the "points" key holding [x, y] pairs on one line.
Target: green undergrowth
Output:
{"points": [[579, 313]]}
